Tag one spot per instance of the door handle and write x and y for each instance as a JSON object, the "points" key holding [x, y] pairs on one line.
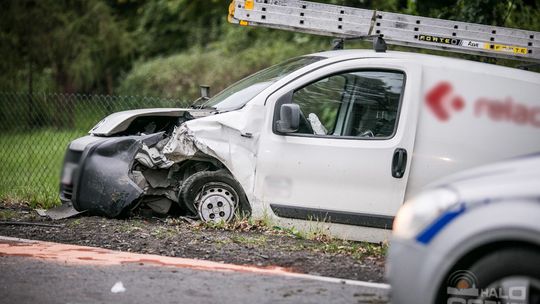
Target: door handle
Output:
{"points": [[399, 162]]}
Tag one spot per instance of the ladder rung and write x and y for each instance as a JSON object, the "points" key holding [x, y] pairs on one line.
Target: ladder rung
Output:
{"points": [[303, 16]]}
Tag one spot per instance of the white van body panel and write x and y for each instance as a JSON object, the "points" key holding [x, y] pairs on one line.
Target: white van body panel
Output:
{"points": [[341, 174], [353, 175], [490, 126], [454, 114]]}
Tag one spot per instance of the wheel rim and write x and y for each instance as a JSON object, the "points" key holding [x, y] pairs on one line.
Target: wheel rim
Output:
{"points": [[216, 202]]}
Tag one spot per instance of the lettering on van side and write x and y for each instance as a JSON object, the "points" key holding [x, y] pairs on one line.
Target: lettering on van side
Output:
{"points": [[518, 50], [507, 110], [443, 103]]}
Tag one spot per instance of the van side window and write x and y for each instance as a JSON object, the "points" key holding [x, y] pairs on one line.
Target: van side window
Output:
{"points": [[353, 104], [320, 103]]}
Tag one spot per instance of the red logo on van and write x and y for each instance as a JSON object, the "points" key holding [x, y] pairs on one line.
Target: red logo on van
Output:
{"points": [[443, 102]]}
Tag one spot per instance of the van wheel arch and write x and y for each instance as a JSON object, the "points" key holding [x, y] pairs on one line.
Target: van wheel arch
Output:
{"points": [[216, 173]]}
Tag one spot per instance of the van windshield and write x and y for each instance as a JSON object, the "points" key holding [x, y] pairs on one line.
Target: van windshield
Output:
{"points": [[238, 94]]}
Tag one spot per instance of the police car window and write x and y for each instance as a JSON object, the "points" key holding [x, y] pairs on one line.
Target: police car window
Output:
{"points": [[354, 104]]}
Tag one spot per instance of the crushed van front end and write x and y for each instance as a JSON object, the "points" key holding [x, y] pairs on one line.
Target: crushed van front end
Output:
{"points": [[112, 175]]}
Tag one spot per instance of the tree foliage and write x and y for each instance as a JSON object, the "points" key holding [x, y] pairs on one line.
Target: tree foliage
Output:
{"points": [[79, 41], [524, 14], [170, 26], [101, 45]]}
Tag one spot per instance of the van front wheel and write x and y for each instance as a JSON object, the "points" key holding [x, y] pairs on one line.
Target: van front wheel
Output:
{"points": [[215, 196]]}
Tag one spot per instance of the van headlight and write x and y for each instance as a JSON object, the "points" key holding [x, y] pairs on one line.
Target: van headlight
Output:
{"points": [[420, 211]]}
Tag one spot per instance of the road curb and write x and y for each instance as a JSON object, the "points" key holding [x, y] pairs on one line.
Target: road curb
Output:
{"points": [[92, 256]]}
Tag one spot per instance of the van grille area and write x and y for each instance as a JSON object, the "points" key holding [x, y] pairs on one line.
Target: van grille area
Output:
{"points": [[71, 162]]}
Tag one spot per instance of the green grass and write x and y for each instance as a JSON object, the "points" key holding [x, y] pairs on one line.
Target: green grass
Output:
{"points": [[316, 237], [357, 250], [259, 241], [31, 165], [164, 232], [33, 139]]}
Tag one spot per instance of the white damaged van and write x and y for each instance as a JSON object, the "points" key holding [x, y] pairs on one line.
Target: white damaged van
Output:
{"points": [[339, 137]]}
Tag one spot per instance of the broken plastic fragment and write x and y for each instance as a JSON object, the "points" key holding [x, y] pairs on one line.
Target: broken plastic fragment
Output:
{"points": [[151, 158], [41, 212], [63, 211], [118, 287]]}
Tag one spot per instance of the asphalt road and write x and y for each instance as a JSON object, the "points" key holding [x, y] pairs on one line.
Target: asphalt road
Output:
{"points": [[27, 278]]}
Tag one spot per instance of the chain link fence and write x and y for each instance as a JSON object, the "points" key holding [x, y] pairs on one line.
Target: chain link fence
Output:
{"points": [[35, 130]]}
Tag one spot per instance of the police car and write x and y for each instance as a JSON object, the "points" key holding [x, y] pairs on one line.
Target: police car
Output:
{"points": [[471, 238]]}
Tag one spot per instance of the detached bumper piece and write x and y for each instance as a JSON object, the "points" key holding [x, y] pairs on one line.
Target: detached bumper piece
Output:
{"points": [[66, 210], [105, 186]]}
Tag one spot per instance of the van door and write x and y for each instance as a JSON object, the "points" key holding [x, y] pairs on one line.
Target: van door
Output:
{"points": [[348, 162]]}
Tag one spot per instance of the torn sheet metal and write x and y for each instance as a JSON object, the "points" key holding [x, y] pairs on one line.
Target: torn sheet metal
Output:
{"points": [[183, 145], [229, 137], [151, 157]]}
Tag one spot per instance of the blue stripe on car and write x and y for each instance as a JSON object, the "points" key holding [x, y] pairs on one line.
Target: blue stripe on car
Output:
{"points": [[431, 231]]}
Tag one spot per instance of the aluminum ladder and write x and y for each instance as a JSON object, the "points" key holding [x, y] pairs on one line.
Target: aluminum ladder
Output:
{"points": [[400, 29]]}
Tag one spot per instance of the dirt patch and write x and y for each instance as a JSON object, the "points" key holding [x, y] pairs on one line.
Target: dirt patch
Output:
{"points": [[244, 243]]}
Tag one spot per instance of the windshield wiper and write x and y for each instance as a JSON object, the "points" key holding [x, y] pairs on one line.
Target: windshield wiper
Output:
{"points": [[201, 104], [203, 107]]}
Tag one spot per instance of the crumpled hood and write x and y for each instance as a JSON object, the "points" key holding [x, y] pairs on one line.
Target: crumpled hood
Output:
{"points": [[120, 121], [230, 137], [514, 178]]}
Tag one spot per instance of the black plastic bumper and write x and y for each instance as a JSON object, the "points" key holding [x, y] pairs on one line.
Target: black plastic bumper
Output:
{"points": [[98, 179]]}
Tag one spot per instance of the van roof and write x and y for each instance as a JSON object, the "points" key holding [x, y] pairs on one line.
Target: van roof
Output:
{"points": [[425, 59]]}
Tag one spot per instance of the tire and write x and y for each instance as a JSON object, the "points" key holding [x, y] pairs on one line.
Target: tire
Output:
{"points": [[500, 267], [507, 263], [214, 196]]}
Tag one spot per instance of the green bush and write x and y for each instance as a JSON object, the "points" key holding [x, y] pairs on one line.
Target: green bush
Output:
{"points": [[218, 65]]}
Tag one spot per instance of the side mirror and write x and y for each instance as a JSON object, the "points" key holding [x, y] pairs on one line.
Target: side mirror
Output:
{"points": [[289, 118], [205, 91]]}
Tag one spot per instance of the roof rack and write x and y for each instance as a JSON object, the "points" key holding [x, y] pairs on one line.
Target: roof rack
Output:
{"points": [[399, 29]]}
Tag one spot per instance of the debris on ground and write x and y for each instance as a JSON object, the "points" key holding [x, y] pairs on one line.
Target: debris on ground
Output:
{"points": [[245, 242], [118, 287], [63, 211]]}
